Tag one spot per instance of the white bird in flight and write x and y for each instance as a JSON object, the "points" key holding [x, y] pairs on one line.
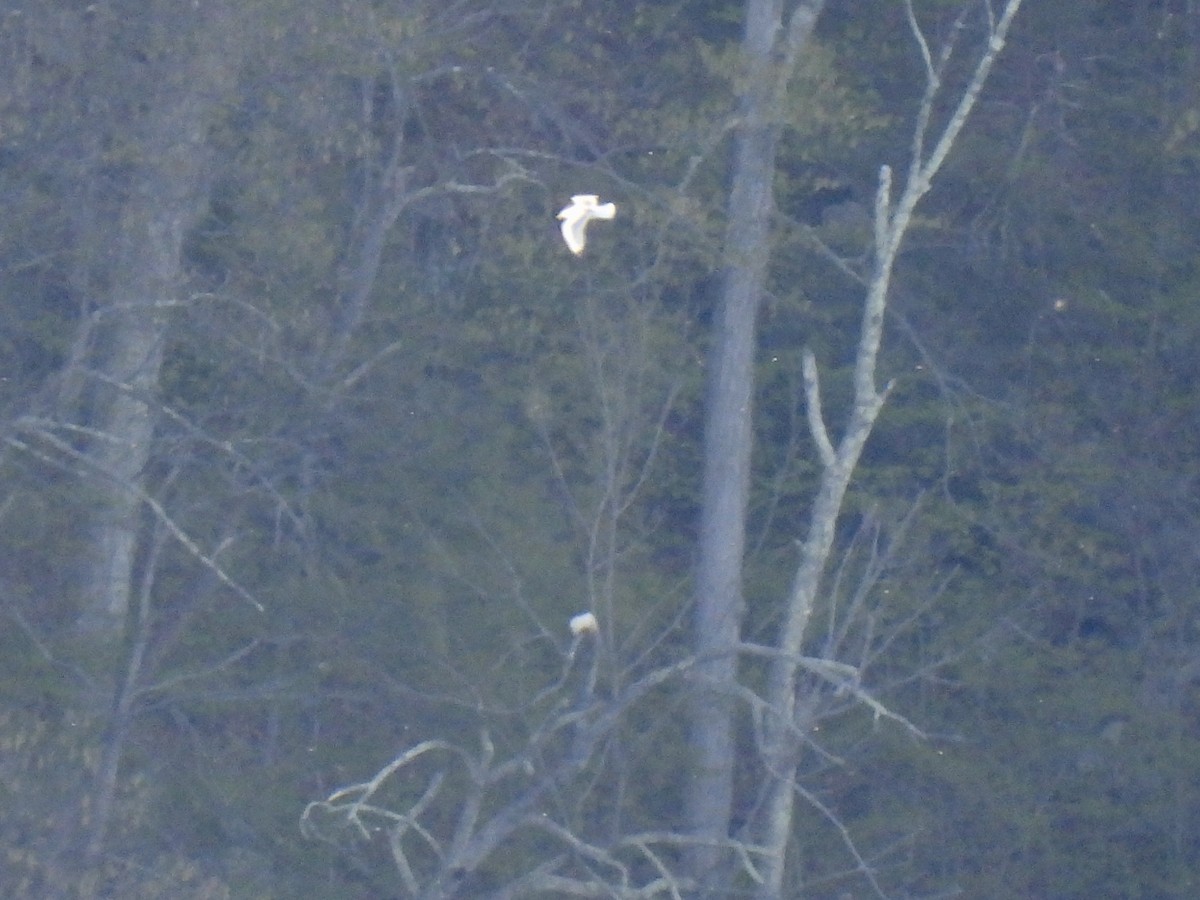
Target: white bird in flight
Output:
{"points": [[575, 218]]}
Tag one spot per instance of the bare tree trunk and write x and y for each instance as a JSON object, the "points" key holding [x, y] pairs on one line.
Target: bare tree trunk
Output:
{"points": [[122, 348], [728, 439], [119, 361]]}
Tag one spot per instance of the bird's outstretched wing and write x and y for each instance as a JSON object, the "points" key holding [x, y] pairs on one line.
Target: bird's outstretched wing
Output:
{"points": [[575, 217]]}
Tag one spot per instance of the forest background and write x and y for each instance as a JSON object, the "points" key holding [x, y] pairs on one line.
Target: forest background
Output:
{"points": [[315, 437]]}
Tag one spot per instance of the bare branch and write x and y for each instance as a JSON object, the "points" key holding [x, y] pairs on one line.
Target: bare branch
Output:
{"points": [[842, 677], [42, 429], [919, 36], [883, 210], [816, 420], [996, 40], [500, 799], [779, 721], [847, 839]]}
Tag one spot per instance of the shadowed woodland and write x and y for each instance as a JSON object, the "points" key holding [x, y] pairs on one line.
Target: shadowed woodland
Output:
{"points": [[862, 431]]}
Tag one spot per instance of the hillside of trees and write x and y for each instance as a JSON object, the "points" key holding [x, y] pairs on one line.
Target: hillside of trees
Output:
{"points": [[868, 433]]}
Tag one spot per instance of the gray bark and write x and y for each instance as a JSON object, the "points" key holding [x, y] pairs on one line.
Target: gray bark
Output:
{"points": [[789, 714], [769, 57], [120, 352], [141, 274]]}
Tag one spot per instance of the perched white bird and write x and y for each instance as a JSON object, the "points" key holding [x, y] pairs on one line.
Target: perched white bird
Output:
{"points": [[575, 218], [584, 623]]}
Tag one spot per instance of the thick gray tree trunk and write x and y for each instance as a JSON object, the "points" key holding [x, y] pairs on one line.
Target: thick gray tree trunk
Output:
{"points": [[120, 352], [139, 266], [769, 55]]}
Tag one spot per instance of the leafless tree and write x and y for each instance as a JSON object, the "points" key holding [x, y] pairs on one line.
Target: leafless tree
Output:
{"points": [[462, 806], [771, 50], [787, 707]]}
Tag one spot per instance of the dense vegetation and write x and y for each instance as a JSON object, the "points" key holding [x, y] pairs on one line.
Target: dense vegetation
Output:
{"points": [[289, 338]]}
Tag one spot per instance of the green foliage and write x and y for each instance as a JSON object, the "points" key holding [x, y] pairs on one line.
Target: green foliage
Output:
{"points": [[509, 435], [50, 764]]}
